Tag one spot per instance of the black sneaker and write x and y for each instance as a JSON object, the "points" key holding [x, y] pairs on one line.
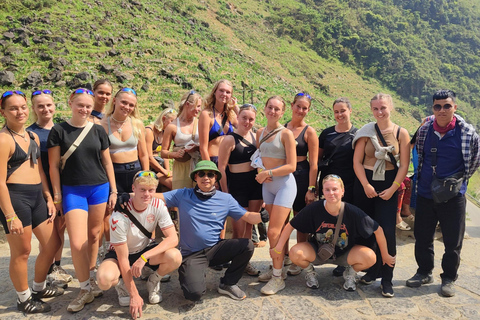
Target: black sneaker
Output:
{"points": [[367, 279], [387, 289], [448, 288], [217, 267], [338, 271], [418, 279], [32, 305], [48, 292]]}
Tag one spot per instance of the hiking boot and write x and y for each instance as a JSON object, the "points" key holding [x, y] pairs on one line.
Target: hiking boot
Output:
{"points": [[265, 277], [49, 292], [274, 285], [311, 279], [251, 270], [232, 291], [448, 288], [153, 287], [77, 304], [294, 270], [123, 294], [338, 271], [418, 279], [32, 305], [387, 289], [96, 291], [349, 275]]}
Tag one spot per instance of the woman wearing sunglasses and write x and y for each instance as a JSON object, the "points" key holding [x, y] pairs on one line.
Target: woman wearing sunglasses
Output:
{"points": [[102, 89], [154, 134], [235, 151], [217, 119], [306, 173], [87, 184], [43, 111], [319, 221], [26, 205], [378, 148], [184, 134], [279, 158]]}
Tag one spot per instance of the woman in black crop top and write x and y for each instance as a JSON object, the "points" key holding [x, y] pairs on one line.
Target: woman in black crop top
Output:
{"points": [[26, 205], [306, 172], [102, 89], [235, 151]]}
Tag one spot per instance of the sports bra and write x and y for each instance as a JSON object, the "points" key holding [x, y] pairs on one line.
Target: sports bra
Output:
{"points": [[181, 138], [273, 149], [117, 145], [19, 156], [241, 154], [155, 144], [217, 131], [302, 146]]}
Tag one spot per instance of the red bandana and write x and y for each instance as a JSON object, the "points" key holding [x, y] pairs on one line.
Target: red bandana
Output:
{"points": [[449, 126]]}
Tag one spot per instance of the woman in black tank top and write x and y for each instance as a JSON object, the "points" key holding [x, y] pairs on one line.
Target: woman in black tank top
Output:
{"points": [[26, 205]]}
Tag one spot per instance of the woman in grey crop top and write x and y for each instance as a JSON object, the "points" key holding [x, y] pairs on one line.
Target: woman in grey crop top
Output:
{"points": [[277, 148], [183, 131]]}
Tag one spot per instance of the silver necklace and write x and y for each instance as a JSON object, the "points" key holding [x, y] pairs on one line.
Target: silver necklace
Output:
{"points": [[119, 130], [18, 134]]}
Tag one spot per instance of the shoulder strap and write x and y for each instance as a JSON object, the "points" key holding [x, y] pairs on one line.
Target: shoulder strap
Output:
{"points": [[239, 137], [433, 150], [339, 223], [379, 134], [32, 151], [76, 143], [339, 144], [136, 222], [278, 129]]}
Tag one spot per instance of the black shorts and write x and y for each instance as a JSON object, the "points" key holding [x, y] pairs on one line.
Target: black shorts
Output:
{"points": [[124, 173], [302, 178], [243, 187], [28, 203], [134, 256]]}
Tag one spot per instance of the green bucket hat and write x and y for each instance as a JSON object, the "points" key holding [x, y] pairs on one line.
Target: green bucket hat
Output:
{"points": [[206, 165]]}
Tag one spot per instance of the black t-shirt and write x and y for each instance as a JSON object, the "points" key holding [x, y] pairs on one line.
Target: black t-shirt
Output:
{"points": [[342, 160], [316, 221], [84, 166]]}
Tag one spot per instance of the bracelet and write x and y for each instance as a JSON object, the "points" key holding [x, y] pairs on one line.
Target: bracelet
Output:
{"points": [[395, 182], [270, 173], [168, 155], [8, 215], [11, 219], [113, 192], [277, 252], [143, 258], [57, 202]]}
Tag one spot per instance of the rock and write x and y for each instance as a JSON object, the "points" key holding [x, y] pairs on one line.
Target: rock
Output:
{"points": [[84, 76], [58, 64], [167, 91], [25, 42], [146, 86], [263, 88], [6, 60], [202, 67], [205, 24], [122, 76], [60, 83], [191, 22], [106, 68], [37, 39], [113, 53], [9, 35], [44, 56], [7, 78], [74, 83], [34, 79], [168, 104], [59, 39], [25, 20], [55, 76], [127, 62]]}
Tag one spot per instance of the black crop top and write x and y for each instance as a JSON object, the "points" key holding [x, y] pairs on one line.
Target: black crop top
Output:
{"points": [[302, 146], [19, 156], [241, 154]]}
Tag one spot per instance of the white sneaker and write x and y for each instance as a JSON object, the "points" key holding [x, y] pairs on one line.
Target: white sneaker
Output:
{"points": [[96, 291], [153, 287], [311, 279], [274, 285], [294, 270], [146, 272], [251, 270], [265, 277], [123, 295], [287, 261], [84, 297], [349, 275]]}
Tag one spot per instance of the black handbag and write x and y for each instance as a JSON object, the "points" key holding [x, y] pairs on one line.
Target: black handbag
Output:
{"points": [[327, 250], [447, 188]]}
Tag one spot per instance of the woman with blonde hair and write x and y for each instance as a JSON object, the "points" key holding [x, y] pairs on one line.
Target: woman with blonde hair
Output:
{"points": [[154, 134], [217, 119], [378, 147], [87, 185], [184, 134]]}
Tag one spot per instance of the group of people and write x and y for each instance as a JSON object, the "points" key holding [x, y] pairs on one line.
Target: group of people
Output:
{"points": [[70, 174]]}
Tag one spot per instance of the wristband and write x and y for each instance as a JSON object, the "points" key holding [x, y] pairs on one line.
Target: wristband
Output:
{"points": [[143, 258], [113, 192], [57, 202], [12, 218], [395, 182], [270, 173], [277, 252]]}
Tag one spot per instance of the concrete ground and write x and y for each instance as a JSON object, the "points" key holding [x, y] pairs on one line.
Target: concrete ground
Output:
{"points": [[296, 301]]}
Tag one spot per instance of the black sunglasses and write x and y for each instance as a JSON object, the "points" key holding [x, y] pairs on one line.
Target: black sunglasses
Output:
{"points": [[439, 107], [202, 174]]}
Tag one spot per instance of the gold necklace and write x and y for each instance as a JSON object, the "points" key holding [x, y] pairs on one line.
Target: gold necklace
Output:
{"points": [[18, 134]]}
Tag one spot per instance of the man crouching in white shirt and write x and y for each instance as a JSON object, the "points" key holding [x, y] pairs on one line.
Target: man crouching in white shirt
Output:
{"points": [[133, 249]]}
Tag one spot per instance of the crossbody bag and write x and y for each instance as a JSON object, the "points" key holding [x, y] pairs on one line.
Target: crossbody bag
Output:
{"points": [[75, 144]]}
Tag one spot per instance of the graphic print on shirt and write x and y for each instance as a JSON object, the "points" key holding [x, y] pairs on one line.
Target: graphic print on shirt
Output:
{"points": [[326, 231]]}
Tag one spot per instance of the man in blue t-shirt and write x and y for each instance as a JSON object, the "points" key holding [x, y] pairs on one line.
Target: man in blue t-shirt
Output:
{"points": [[202, 214]]}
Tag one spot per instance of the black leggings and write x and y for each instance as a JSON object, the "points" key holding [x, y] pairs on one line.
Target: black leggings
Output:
{"points": [[124, 173], [384, 212]]}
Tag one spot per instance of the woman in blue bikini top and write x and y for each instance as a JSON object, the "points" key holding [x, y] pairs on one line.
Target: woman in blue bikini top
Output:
{"points": [[217, 119]]}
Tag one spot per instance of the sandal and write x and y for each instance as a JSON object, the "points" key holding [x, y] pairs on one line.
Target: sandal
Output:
{"points": [[410, 218], [403, 226]]}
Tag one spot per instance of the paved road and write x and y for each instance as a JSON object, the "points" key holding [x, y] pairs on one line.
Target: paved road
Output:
{"points": [[296, 301]]}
